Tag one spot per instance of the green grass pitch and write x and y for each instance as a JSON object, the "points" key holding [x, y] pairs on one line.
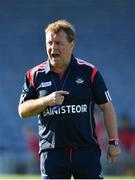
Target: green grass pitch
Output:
{"points": [[21, 177], [37, 177]]}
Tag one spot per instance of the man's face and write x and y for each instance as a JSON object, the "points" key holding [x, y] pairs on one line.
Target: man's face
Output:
{"points": [[59, 49]]}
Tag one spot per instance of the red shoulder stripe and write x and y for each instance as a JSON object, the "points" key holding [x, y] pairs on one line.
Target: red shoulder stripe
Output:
{"points": [[30, 73], [93, 73], [94, 69]]}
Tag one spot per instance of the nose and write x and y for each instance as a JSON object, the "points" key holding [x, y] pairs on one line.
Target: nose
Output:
{"points": [[54, 46]]}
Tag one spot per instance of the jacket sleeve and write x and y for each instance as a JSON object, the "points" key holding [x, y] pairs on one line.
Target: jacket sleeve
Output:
{"points": [[100, 91], [28, 89]]}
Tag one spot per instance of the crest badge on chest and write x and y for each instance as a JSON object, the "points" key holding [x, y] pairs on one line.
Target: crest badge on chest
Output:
{"points": [[79, 80]]}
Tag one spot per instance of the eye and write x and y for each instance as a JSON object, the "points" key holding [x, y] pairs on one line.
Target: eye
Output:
{"points": [[49, 43]]}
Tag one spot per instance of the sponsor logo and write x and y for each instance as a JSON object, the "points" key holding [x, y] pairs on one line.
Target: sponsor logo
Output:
{"points": [[46, 84], [67, 109]]}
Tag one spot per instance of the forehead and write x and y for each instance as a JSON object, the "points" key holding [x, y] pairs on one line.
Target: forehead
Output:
{"points": [[61, 35]]}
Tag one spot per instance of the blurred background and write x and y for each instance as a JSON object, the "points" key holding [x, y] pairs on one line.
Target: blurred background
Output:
{"points": [[105, 37]]}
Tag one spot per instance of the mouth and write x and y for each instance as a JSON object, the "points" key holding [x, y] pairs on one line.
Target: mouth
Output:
{"points": [[55, 55]]}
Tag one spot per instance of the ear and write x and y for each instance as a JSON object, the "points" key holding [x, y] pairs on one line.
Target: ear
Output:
{"points": [[72, 44]]}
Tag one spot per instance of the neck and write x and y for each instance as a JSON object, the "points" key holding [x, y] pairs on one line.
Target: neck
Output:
{"points": [[59, 71]]}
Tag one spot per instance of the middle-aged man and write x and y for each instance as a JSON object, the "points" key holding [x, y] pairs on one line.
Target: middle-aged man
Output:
{"points": [[62, 91]]}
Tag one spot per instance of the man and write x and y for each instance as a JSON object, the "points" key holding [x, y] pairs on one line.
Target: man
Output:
{"points": [[62, 91]]}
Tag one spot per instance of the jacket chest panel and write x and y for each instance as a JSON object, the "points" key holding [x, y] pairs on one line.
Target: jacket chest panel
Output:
{"points": [[78, 84]]}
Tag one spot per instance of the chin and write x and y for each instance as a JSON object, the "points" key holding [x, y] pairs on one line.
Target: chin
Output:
{"points": [[56, 62]]}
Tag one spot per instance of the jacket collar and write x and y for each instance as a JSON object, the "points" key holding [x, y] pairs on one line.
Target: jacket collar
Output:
{"points": [[73, 63]]}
